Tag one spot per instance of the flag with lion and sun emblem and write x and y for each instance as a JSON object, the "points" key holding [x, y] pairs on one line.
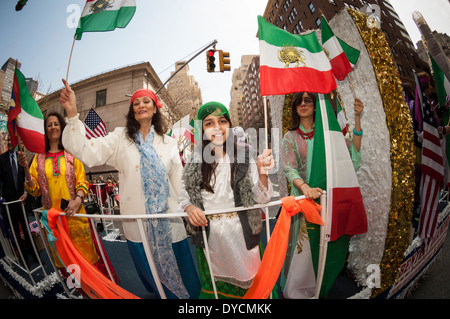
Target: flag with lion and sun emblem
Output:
{"points": [[292, 63]]}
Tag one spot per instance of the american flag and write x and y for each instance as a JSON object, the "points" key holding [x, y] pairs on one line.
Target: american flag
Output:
{"points": [[94, 125], [432, 168]]}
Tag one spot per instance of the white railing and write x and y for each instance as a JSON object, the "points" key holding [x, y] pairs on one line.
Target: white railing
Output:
{"points": [[140, 220]]}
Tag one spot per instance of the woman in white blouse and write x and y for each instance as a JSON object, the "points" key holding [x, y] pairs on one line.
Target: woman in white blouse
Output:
{"points": [[149, 174], [221, 175]]}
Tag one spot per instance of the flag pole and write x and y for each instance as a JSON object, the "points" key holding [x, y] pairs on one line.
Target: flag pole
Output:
{"points": [[351, 83], [70, 59], [323, 246], [265, 122]]}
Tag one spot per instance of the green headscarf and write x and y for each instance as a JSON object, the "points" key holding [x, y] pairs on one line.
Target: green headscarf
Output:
{"points": [[209, 108]]}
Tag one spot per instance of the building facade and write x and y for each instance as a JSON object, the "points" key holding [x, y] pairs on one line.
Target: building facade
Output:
{"points": [[437, 44], [253, 104], [298, 16], [109, 95], [185, 93], [236, 91]]}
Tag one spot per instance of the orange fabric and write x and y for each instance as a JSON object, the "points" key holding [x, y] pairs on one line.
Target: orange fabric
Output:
{"points": [[275, 252], [93, 282]]}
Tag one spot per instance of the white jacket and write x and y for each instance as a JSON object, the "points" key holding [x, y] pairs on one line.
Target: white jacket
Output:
{"points": [[117, 150]]}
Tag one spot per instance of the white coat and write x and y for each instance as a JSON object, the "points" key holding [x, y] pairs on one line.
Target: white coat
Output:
{"points": [[118, 151]]}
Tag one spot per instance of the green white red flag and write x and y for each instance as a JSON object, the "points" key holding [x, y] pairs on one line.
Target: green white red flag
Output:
{"points": [[341, 118], [25, 117], [292, 63], [342, 56], [107, 15], [346, 215], [443, 92], [442, 83]]}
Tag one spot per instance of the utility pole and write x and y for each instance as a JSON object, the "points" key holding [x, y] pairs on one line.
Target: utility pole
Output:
{"points": [[211, 44]]}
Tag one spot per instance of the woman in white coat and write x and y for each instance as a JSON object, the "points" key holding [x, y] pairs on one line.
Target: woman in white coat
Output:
{"points": [[150, 171]]}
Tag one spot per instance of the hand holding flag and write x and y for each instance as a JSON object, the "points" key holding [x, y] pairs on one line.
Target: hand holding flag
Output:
{"points": [[68, 100]]}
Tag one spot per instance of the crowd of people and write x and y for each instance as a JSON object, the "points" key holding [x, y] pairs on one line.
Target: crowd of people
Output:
{"points": [[222, 173]]}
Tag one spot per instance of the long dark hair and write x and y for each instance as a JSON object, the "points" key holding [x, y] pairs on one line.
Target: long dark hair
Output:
{"points": [[133, 126], [209, 169], [297, 100], [62, 124]]}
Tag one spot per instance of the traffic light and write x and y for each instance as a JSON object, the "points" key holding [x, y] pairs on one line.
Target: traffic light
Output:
{"points": [[20, 4], [224, 60], [210, 65]]}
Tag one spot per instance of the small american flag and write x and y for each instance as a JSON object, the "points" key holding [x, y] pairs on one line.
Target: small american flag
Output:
{"points": [[94, 125], [432, 169]]}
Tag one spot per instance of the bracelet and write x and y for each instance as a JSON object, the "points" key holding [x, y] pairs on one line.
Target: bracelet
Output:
{"points": [[82, 197], [360, 133], [301, 184]]}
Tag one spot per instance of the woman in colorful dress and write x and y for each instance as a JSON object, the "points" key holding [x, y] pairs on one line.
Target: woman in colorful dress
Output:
{"points": [[219, 176], [150, 175], [57, 175], [296, 158]]}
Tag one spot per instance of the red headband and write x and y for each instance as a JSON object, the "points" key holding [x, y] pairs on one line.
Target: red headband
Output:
{"points": [[149, 93]]}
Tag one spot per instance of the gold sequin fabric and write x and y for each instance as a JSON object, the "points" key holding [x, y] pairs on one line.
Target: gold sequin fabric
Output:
{"points": [[402, 150]]}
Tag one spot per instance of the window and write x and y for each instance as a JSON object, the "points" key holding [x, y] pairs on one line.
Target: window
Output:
{"points": [[311, 7], [100, 98], [318, 22]]}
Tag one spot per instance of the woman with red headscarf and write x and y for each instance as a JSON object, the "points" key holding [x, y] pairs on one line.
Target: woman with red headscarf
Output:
{"points": [[150, 177]]}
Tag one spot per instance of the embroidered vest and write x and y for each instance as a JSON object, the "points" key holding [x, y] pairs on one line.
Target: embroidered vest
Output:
{"points": [[70, 178], [251, 220]]}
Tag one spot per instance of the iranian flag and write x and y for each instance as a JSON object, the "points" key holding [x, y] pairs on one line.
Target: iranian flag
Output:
{"points": [[345, 215], [443, 92], [341, 118], [25, 117], [292, 63], [105, 15], [342, 56], [442, 83]]}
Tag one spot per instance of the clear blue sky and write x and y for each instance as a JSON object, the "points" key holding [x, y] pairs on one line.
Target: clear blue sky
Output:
{"points": [[161, 32]]}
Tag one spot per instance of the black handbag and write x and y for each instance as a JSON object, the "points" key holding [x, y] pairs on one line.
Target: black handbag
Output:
{"points": [[92, 207]]}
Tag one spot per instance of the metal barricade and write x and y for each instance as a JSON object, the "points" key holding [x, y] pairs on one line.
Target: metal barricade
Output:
{"points": [[11, 255], [140, 220]]}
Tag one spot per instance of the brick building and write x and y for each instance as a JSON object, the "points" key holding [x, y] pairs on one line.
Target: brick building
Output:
{"points": [[298, 16]]}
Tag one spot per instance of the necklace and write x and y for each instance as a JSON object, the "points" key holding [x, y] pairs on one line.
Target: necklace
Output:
{"points": [[305, 136]]}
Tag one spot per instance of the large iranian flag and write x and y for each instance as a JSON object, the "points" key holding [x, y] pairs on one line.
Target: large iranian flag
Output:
{"points": [[105, 15], [342, 56], [292, 63], [332, 170], [346, 213], [25, 117]]}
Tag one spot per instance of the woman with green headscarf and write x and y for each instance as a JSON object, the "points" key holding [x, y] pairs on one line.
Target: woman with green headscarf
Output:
{"points": [[222, 175]]}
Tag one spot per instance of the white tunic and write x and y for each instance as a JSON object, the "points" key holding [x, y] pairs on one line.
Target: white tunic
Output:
{"points": [[231, 261], [117, 150]]}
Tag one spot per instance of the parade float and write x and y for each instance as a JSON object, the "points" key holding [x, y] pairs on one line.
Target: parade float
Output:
{"points": [[389, 260]]}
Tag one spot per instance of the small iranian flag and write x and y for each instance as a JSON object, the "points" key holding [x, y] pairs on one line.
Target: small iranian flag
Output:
{"points": [[341, 118], [342, 56], [105, 15], [292, 63], [25, 117]]}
